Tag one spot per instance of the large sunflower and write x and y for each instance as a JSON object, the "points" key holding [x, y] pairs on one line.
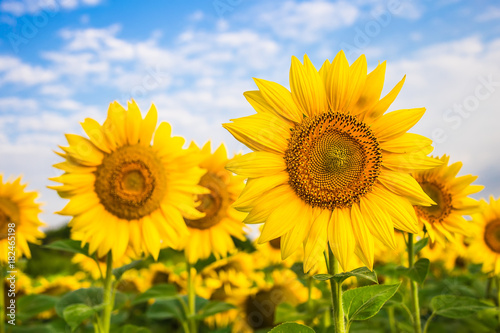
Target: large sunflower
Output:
{"points": [[125, 192], [212, 233], [328, 164], [485, 246], [443, 220], [19, 221]]}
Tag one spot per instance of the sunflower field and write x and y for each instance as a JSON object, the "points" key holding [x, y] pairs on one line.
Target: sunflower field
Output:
{"points": [[338, 220]]}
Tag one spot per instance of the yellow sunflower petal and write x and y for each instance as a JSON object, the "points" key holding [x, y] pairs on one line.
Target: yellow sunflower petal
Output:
{"points": [[336, 83], [256, 164], [307, 87], [341, 236], [280, 100], [363, 236], [148, 126], [396, 123]]}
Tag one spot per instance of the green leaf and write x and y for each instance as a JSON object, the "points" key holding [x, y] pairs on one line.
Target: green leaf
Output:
{"points": [[118, 272], [418, 272], [362, 272], [30, 305], [322, 277], [213, 307], [69, 245], [91, 297], [75, 314], [133, 329], [456, 307], [159, 292], [291, 328], [365, 302], [420, 245], [167, 309]]}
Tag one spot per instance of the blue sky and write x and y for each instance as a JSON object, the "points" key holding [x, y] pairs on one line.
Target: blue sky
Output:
{"points": [[64, 60]]}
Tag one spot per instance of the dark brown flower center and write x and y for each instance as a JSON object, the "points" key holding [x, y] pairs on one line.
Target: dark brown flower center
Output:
{"points": [[442, 198], [213, 204], [332, 159], [275, 243], [492, 235], [131, 182], [9, 213]]}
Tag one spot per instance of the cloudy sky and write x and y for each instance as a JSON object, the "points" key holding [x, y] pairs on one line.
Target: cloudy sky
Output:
{"points": [[62, 61]]}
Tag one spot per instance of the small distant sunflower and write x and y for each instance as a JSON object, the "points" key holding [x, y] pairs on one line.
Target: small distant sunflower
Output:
{"points": [[212, 233], [384, 255], [485, 246], [227, 284], [132, 281], [443, 220], [258, 309], [125, 192], [451, 254], [159, 273], [328, 164], [60, 285], [97, 269], [18, 218]]}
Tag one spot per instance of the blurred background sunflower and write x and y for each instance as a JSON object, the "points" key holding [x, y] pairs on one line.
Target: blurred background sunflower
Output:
{"points": [[485, 246], [451, 195], [18, 220], [212, 233]]}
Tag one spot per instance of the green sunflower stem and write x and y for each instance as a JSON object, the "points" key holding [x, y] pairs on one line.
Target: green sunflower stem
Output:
{"points": [[309, 299], [497, 278], [417, 325], [338, 310], [108, 294], [191, 298]]}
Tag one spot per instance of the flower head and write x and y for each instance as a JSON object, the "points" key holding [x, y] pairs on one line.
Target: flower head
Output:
{"points": [[124, 191], [18, 218], [450, 193], [212, 233], [328, 163]]}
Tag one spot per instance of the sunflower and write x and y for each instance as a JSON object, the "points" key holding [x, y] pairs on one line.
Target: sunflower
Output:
{"points": [[60, 285], [159, 273], [257, 311], [384, 255], [451, 255], [125, 192], [485, 245], [97, 268], [19, 221], [133, 281], [212, 233], [443, 220], [228, 283], [329, 162]]}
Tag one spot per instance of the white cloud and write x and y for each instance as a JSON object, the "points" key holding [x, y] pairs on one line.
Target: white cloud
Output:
{"points": [[9, 105], [57, 90], [307, 21], [13, 70], [22, 7], [491, 13], [462, 110]]}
